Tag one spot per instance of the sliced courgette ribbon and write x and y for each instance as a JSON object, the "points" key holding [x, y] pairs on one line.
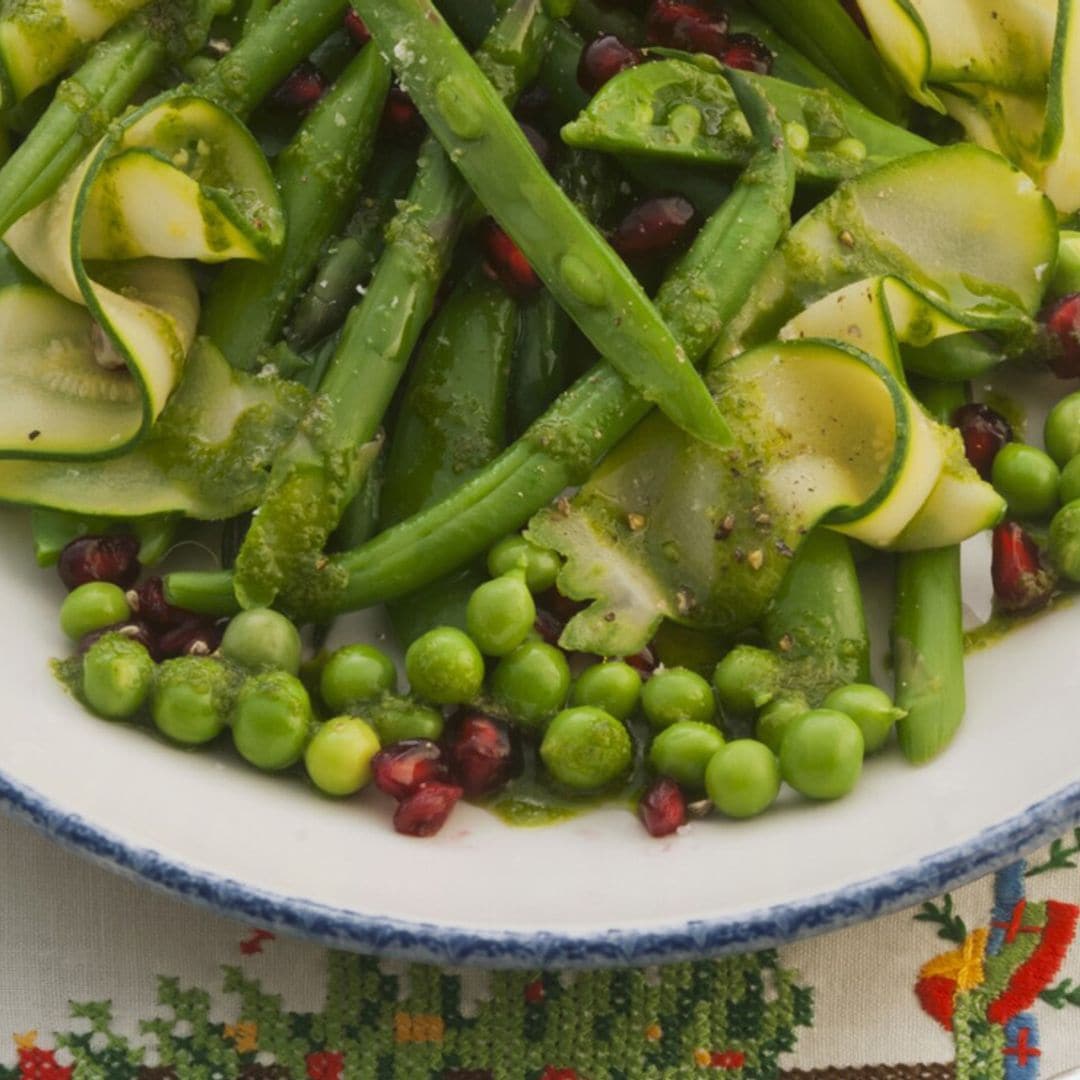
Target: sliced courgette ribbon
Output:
{"points": [[89, 357], [1009, 73]]}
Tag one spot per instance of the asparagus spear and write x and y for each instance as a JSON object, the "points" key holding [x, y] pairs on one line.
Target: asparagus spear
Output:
{"points": [[318, 475], [928, 632], [583, 272], [351, 257], [587, 420], [319, 175]]}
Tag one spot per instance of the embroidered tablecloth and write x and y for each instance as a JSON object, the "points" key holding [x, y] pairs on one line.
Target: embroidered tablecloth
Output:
{"points": [[101, 978]]}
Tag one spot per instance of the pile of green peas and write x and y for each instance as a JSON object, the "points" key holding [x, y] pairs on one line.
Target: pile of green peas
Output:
{"points": [[499, 663], [1061, 434]]}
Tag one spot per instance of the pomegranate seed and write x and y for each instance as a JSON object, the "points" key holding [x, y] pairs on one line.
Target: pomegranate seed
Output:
{"points": [[401, 769], [401, 119], [533, 101], [358, 31], [748, 53], [539, 142], [134, 629], [602, 59], [301, 88], [424, 812], [686, 26], [148, 601], [653, 227], [663, 807], [505, 262], [195, 637], [481, 754], [562, 607], [643, 662], [1021, 583], [1062, 319], [548, 626], [99, 558], [984, 432]]}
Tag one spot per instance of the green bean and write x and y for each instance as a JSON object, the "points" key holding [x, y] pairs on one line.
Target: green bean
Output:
{"points": [[541, 367], [319, 176], [351, 257], [828, 36], [318, 474], [583, 272], [592, 416], [928, 637]]}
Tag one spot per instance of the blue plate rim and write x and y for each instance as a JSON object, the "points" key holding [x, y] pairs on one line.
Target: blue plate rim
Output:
{"points": [[987, 851]]}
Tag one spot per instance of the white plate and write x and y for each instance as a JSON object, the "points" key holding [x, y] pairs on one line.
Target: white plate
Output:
{"points": [[594, 890]]}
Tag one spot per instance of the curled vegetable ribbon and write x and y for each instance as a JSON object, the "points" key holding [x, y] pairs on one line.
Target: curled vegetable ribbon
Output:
{"points": [[91, 356]]}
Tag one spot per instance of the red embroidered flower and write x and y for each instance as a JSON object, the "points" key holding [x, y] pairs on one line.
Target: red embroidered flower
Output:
{"points": [[728, 1059], [325, 1065], [534, 992], [551, 1073], [38, 1064]]}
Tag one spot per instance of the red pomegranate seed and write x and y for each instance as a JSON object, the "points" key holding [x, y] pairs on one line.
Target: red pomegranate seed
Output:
{"points": [[301, 88], [562, 607], [984, 432], [424, 812], [653, 227], [358, 31], [401, 768], [481, 754], [602, 59], [99, 558], [195, 637], [643, 662], [1062, 319], [505, 262], [533, 101], [401, 119], [134, 629], [539, 142], [148, 601], [1021, 583], [549, 627], [663, 807], [748, 53], [686, 26]]}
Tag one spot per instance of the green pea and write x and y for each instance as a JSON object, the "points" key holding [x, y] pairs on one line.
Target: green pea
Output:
{"points": [[586, 748], [445, 666], [613, 686], [1061, 433], [822, 753], [338, 758], [1063, 543], [192, 698], [683, 750], [272, 720], [532, 682], [1069, 484], [774, 720], [117, 676], [674, 694], [747, 678], [1027, 479], [541, 565], [261, 638], [500, 613], [398, 718], [742, 778], [356, 673], [870, 707], [92, 606]]}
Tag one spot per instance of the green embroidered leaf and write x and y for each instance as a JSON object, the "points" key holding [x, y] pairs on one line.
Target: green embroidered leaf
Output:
{"points": [[1059, 857], [950, 926]]}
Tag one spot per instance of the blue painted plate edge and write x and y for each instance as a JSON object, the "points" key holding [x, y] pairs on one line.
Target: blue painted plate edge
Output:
{"points": [[448, 945]]}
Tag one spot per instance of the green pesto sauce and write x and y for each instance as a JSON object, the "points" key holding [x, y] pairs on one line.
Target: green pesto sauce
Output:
{"points": [[1002, 623]]}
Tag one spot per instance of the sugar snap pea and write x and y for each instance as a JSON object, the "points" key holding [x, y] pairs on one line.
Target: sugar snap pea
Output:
{"points": [[704, 289], [584, 274], [319, 176]]}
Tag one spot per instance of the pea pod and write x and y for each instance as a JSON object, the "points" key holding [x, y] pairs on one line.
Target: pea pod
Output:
{"points": [[350, 257], [584, 274], [451, 423], [318, 175], [316, 478], [681, 111], [704, 289]]}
